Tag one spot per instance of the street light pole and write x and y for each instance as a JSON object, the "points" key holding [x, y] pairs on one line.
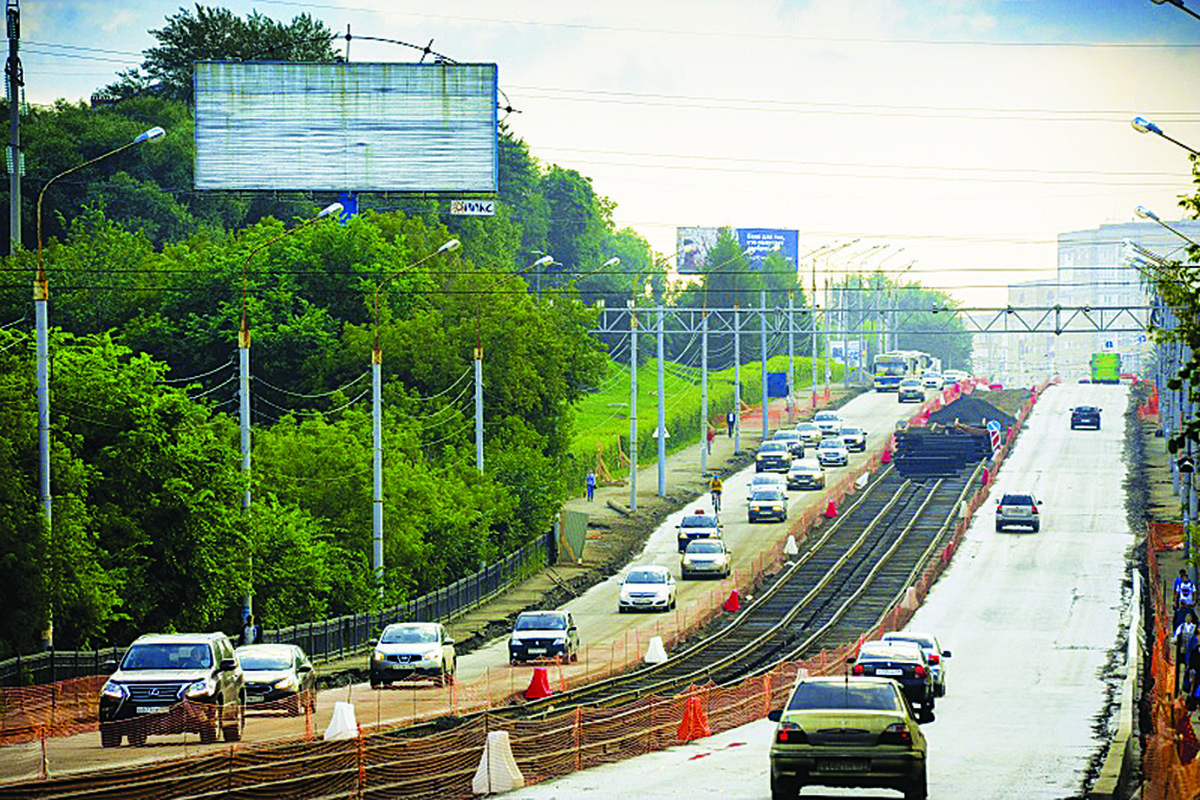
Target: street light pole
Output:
{"points": [[41, 297], [1178, 4]]}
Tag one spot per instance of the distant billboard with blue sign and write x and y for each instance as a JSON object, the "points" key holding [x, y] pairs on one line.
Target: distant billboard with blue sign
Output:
{"points": [[758, 242], [695, 244]]}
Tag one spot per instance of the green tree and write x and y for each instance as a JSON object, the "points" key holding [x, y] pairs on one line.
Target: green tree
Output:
{"points": [[216, 34]]}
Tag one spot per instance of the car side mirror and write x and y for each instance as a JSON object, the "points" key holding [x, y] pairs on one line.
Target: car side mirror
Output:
{"points": [[775, 715], [850, 661], [1039, 502], [227, 665], [109, 667], [572, 629], [945, 654], [448, 641], [304, 668]]}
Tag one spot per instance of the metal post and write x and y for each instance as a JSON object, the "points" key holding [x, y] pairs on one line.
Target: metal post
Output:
{"points": [[791, 327], [662, 410], [762, 352], [377, 467], [244, 425], [16, 79], [704, 423], [479, 408], [827, 341], [41, 294], [812, 321], [737, 381], [633, 390]]}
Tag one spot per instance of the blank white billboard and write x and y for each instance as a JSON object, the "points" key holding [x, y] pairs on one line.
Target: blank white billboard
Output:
{"points": [[338, 127]]}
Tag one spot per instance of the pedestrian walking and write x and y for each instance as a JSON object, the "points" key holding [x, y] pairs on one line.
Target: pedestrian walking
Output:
{"points": [[591, 485], [1185, 593], [251, 633], [710, 435], [730, 419], [1178, 580]]}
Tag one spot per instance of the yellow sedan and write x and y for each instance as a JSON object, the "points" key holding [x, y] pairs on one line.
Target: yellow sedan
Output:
{"points": [[847, 732]]}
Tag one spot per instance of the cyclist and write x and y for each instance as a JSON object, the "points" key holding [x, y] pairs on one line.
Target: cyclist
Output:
{"points": [[715, 486]]}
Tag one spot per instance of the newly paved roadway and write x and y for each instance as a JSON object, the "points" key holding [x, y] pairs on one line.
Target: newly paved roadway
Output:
{"points": [[606, 635], [1030, 620]]}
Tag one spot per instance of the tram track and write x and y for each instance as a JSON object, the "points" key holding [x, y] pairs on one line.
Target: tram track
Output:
{"points": [[841, 585]]}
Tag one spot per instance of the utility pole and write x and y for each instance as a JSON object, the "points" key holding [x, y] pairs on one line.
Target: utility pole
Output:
{"points": [[791, 327], [762, 353], [16, 165], [704, 423], [633, 390], [737, 382], [662, 409]]}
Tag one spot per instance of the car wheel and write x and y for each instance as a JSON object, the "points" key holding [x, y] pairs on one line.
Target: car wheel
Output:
{"points": [[110, 735], [621, 609], [1037, 526], [293, 706], [137, 736], [919, 790], [374, 683], [941, 690], [233, 732], [999, 527], [784, 788]]}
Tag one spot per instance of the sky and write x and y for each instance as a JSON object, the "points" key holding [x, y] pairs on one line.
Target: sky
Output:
{"points": [[954, 139]]}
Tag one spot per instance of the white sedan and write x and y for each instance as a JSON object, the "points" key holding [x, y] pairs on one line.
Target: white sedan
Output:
{"points": [[833, 453], [649, 588]]}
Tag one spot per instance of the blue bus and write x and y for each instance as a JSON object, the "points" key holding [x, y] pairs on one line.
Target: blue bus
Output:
{"points": [[893, 367]]}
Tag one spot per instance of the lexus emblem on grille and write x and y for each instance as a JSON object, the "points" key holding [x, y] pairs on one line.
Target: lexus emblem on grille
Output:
{"points": [[154, 692]]}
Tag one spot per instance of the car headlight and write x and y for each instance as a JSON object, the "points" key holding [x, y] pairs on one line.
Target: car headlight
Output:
{"points": [[114, 691], [202, 687], [560, 640], [288, 684], [777, 507], [378, 655], [432, 655], [687, 561]]}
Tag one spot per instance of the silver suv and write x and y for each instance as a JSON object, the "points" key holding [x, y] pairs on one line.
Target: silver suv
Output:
{"points": [[1018, 508], [174, 683]]}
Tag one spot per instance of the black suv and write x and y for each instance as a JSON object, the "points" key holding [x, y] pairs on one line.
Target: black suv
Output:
{"points": [[174, 683], [1085, 417]]}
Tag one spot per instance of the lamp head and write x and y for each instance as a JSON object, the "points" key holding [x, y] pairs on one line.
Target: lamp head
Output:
{"points": [[543, 261], [1146, 213], [452, 244], [1143, 125], [332, 208], [146, 136], [612, 262]]}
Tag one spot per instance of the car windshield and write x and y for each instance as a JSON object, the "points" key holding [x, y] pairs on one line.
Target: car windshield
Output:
{"points": [[699, 521], [896, 651], [850, 431], [767, 494], [838, 696], [772, 447], [265, 660], [786, 435], [168, 656], [805, 426], [825, 416], [646, 576], [1016, 500], [910, 382], [920, 641], [541, 622], [409, 634], [831, 444], [704, 546]]}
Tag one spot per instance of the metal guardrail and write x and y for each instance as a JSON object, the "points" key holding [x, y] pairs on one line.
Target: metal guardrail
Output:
{"points": [[325, 640]]}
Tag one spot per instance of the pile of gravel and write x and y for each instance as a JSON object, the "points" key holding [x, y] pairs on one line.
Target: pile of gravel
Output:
{"points": [[970, 410]]}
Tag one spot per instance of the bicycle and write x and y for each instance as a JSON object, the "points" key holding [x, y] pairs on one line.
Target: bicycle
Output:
{"points": [[716, 501]]}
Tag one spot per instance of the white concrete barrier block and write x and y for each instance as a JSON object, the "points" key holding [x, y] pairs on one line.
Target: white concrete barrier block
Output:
{"points": [[791, 548], [656, 653], [861, 480], [498, 771], [343, 725]]}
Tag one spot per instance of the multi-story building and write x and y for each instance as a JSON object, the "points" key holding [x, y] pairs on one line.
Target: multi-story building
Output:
{"points": [[1093, 274]]}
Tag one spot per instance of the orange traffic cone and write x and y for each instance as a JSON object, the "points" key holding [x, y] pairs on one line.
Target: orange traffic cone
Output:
{"points": [[831, 510], [887, 456], [694, 724], [539, 685], [733, 602], [987, 476]]}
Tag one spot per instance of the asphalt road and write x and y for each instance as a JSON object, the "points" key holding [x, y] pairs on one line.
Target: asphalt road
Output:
{"points": [[607, 636], [1030, 620]]}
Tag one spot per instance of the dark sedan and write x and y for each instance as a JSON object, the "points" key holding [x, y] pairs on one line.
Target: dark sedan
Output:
{"points": [[279, 677], [1085, 417], [905, 663]]}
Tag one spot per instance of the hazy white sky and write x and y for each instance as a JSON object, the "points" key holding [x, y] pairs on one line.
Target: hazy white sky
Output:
{"points": [[970, 133]]}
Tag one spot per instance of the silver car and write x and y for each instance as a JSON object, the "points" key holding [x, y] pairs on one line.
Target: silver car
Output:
{"points": [[833, 453], [706, 558], [806, 474], [650, 588], [412, 651], [854, 439], [829, 422], [810, 433], [766, 480], [1018, 508]]}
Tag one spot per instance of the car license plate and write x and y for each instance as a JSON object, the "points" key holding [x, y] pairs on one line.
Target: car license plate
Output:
{"points": [[254, 698], [153, 709], [842, 765], [889, 672], [537, 651]]}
